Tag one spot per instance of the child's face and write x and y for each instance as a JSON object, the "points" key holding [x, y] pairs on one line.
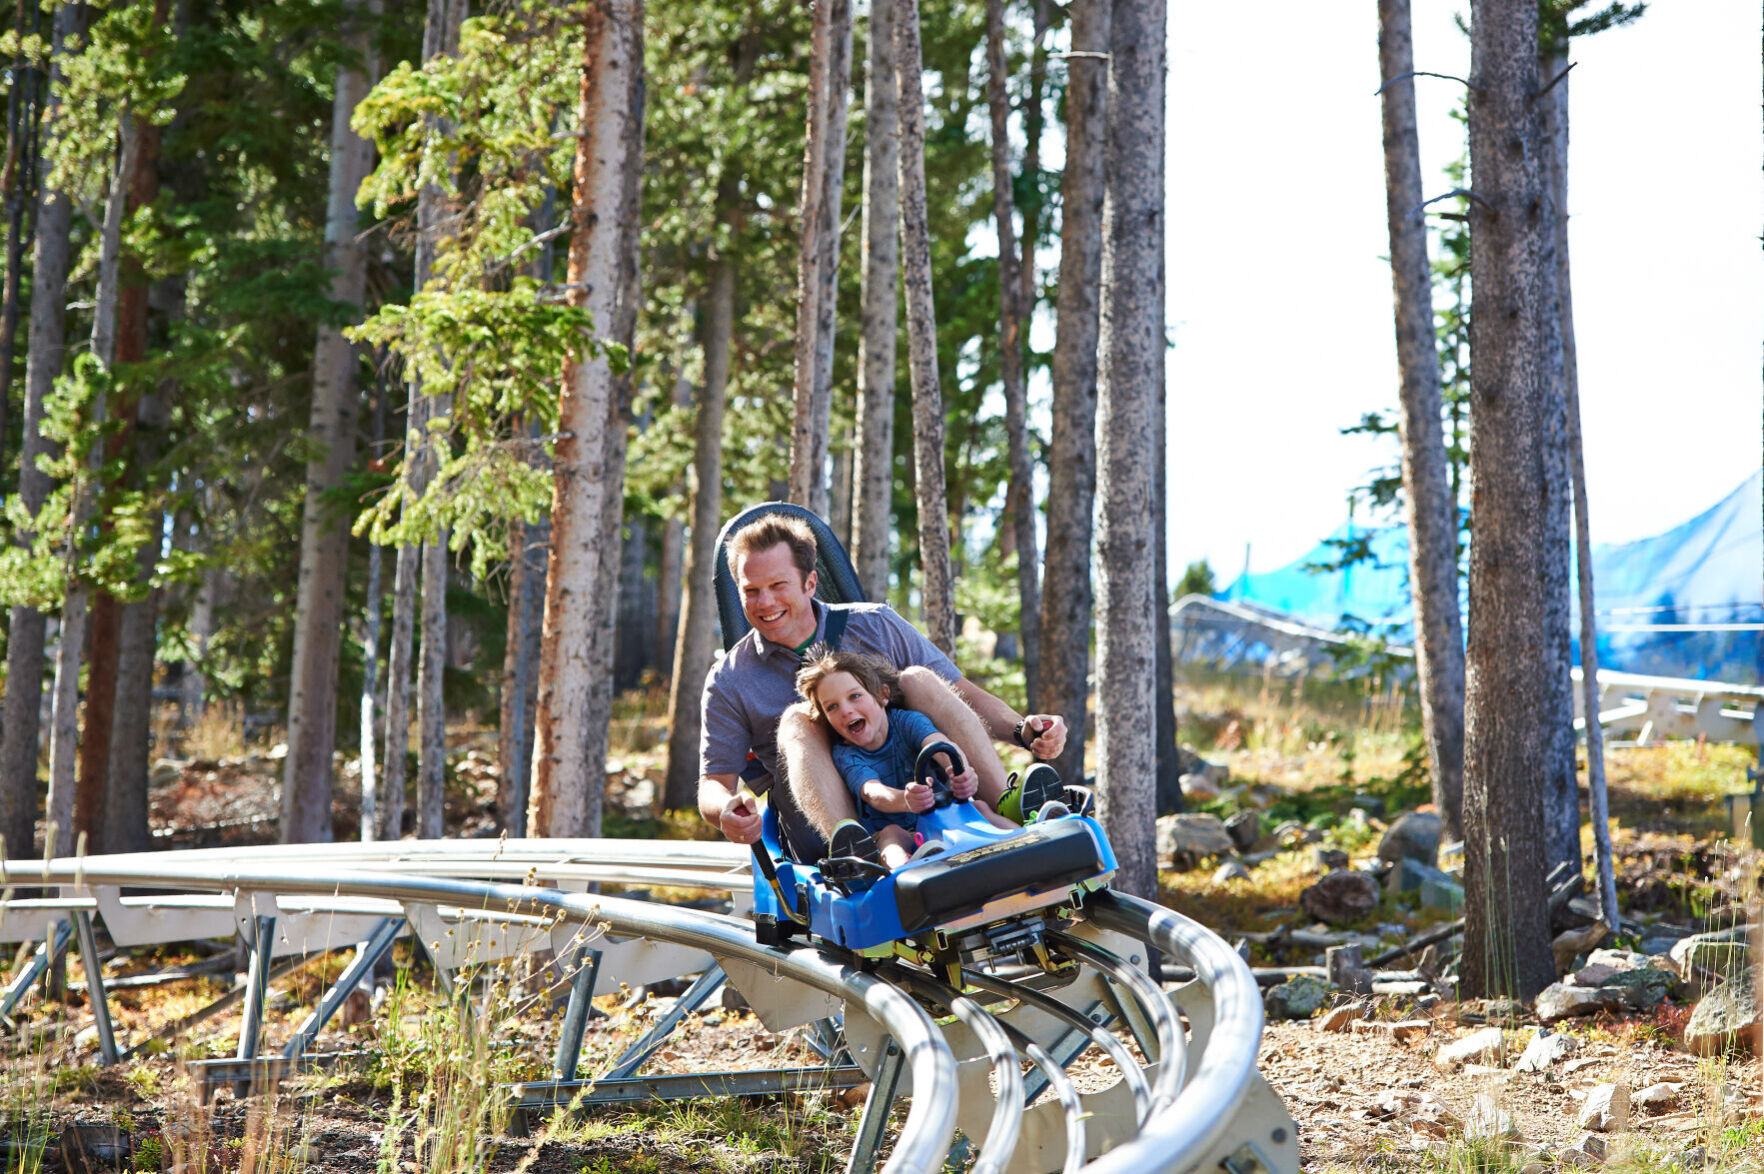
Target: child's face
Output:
{"points": [[853, 712]]}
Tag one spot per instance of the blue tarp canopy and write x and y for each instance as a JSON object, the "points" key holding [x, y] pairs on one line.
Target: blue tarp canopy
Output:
{"points": [[1661, 601]]}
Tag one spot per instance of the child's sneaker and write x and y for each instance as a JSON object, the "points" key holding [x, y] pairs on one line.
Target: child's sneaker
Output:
{"points": [[853, 860], [1024, 795]]}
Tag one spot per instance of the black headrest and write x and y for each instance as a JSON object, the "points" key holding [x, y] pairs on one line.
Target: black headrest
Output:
{"points": [[836, 579]]}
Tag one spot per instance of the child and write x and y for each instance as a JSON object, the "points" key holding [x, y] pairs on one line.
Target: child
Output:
{"points": [[875, 749]]}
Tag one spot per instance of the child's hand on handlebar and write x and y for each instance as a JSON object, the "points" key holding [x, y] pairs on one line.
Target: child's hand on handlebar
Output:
{"points": [[964, 786], [919, 798]]}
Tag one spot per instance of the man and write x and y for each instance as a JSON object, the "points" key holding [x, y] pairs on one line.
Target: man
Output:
{"points": [[750, 702]]}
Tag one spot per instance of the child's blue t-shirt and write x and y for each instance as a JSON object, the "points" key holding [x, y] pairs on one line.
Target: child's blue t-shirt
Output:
{"points": [[890, 763]]}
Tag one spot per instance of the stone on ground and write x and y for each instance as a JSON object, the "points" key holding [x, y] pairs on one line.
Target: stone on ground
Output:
{"points": [[1710, 956], [1606, 1109], [1298, 997], [1198, 786], [1231, 870], [1560, 1001], [1338, 1018], [1725, 1017], [1586, 1153], [1244, 828], [1476, 1048], [1571, 944], [1186, 838], [1340, 897], [1488, 1120], [1544, 1051], [1656, 1097], [1414, 836]]}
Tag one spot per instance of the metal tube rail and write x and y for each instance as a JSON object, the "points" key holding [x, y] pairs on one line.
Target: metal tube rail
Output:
{"points": [[1179, 1136], [930, 1122], [1172, 1046]]}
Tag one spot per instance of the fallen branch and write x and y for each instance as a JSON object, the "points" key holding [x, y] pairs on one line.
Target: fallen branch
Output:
{"points": [[1438, 933]]}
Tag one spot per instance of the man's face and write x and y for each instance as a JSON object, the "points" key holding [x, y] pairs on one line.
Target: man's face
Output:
{"points": [[775, 595]]}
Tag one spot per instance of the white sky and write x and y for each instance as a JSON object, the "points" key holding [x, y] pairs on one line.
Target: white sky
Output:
{"points": [[1280, 296]]}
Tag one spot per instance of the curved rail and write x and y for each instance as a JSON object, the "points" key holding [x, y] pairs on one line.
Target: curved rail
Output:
{"points": [[1184, 1115]]}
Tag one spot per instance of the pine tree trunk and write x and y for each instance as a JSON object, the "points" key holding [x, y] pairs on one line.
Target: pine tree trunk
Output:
{"points": [[1432, 510], [839, 495], [873, 462], [1506, 728], [631, 626], [695, 649], [18, 181], [526, 603], [672, 549], [937, 587], [74, 812], [1561, 785], [1065, 588], [324, 530], [1033, 121], [1167, 785], [396, 743], [370, 645], [1556, 114], [823, 166], [575, 697], [1131, 350], [1012, 316], [43, 360]]}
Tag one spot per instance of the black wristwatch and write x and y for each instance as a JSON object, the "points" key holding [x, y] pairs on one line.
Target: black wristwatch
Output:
{"points": [[1025, 743]]}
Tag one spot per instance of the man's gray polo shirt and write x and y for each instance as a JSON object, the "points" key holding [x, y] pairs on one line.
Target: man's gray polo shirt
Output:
{"points": [[755, 682]]}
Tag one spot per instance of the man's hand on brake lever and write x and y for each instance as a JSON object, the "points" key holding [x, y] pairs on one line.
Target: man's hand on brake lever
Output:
{"points": [[740, 817]]}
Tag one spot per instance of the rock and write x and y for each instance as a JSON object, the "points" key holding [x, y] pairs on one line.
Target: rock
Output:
{"points": [[1189, 762], [1695, 1158], [1606, 1109], [1588, 1152], [1401, 1032], [1725, 1017], [1244, 828], [1475, 1048], [1488, 1120], [1288, 827], [1408, 876], [165, 772], [1190, 837], [1707, 956], [1298, 997], [1370, 804], [1340, 897], [1338, 1018], [1543, 1051], [1644, 988], [1329, 859], [1414, 836], [1198, 786], [640, 798], [1561, 1001], [1442, 893], [1231, 870], [1656, 1097], [1570, 945], [1593, 974], [1617, 960]]}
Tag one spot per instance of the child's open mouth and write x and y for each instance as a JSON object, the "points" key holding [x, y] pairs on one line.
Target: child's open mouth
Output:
{"points": [[856, 727]]}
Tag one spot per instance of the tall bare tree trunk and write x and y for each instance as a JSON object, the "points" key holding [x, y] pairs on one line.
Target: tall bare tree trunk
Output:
{"points": [[1012, 316], [1432, 510], [575, 697], [398, 656], [18, 183], [1132, 350], [43, 359], [432, 650], [68, 811], [324, 529], [937, 585], [823, 168], [695, 647], [1033, 122], [873, 461], [1561, 784], [1065, 588], [370, 642], [1555, 66], [1506, 728], [526, 604], [1167, 785], [672, 545]]}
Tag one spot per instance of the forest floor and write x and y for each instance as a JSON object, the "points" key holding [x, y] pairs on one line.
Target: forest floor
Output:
{"points": [[1368, 1098]]}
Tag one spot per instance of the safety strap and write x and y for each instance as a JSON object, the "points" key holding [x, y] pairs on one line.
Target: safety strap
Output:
{"points": [[837, 618]]}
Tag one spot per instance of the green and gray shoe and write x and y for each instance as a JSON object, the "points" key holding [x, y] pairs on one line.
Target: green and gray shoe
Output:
{"points": [[1024, 794]]}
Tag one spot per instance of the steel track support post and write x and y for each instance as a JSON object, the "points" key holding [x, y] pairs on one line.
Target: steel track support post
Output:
{"points": [[575, 1021], [263, 933], [828, 1039], [1128, 1011], [367, 956], [876, 1108], [42, 959], [695, 997], [95, 994]]}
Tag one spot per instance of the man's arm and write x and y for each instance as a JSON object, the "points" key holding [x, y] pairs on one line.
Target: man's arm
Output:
{"points": [[1000, 720]]}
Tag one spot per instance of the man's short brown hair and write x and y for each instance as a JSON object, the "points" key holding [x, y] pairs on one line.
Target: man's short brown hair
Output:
{"points": [[768, 532], [822, 662]]}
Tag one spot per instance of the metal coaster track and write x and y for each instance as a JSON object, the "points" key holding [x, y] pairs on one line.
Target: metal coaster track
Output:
{"points": [[1198, 1105]]}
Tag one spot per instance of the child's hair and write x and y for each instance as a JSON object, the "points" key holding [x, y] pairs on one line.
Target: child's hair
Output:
{"points": [[821, 662]]}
